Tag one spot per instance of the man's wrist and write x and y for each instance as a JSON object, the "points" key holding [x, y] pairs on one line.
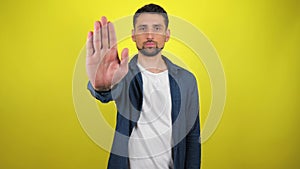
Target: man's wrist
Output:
{"points": [[102, 89]]}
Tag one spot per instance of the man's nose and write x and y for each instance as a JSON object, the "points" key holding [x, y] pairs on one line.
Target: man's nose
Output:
{"points": [[150, 35]]}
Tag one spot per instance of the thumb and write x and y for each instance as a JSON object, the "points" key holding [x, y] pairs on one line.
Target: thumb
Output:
{"points": [[124, 60]]}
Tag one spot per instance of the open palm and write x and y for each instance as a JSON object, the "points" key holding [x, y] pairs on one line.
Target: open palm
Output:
{"points": [[104, 68]]}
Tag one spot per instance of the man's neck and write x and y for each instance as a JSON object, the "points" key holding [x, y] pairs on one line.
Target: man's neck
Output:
{"points": [[154, 64]]}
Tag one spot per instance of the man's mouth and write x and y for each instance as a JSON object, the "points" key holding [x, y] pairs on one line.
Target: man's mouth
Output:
{"points": [[150, 44]]}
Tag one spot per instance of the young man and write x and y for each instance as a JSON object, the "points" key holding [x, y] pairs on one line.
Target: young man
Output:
{"points": [[157, 101]]}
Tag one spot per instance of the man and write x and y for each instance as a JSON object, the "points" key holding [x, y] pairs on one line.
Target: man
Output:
{"points": [[157, 101]]}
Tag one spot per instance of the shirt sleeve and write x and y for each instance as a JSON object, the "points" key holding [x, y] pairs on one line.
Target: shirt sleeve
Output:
{"points": [[103, 96], [193, 141]]}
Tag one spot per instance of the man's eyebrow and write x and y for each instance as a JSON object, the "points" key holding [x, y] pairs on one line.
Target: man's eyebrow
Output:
{"points": [[157, 25], [141, 26]]}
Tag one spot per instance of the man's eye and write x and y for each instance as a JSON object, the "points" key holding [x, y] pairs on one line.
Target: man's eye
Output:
{"points": [[158, 29], [142, 29]]}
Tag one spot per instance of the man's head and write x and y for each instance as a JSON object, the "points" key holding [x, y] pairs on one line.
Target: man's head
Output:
{"points": [[152, 8], [150, 29]]}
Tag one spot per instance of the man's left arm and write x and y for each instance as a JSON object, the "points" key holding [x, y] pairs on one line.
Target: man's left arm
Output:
{"points": [[193, 144]]}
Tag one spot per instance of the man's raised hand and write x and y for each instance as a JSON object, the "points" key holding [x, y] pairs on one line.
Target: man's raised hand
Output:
{"points": [[104, 68]]}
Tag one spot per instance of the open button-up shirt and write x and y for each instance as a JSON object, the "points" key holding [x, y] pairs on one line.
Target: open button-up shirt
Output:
{"points": [[128, 96]]}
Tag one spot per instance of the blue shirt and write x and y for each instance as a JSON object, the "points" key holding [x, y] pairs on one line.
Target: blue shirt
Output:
{"points": [[128, 96]]}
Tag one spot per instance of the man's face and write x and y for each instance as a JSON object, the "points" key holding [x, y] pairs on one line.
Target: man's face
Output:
{"points": [[150, 33]]}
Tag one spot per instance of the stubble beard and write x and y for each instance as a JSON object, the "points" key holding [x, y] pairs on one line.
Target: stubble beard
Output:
{"points": [[150, 52]]}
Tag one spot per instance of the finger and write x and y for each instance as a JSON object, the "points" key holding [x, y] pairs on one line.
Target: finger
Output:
{"points": [[104, 33], [97, 36], [112, 36], [124, 60], [112, 56], [89, 44]]}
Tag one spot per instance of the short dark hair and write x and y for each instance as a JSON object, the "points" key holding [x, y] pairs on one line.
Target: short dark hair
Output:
{"points": [[151, 8]]}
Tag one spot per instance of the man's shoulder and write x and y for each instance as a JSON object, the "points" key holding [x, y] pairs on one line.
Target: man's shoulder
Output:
{"points": [[184, 70], [186, 75], [179, 72]]}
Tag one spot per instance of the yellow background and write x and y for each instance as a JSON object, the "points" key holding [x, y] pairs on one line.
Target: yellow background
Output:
{"points": [[258, 44]]}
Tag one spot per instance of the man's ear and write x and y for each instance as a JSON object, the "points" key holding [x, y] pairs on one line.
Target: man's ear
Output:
{"points": [[132, 35], [167, 35]]}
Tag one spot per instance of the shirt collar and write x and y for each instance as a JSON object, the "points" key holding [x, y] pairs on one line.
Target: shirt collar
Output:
{"points": [[172, 68]]}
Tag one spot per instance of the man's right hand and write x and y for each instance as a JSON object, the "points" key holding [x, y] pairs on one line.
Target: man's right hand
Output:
{"points": [[104, 68]]}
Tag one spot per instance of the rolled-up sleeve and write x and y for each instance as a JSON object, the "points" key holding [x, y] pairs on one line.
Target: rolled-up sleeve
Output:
{"points": [[103, 96]]}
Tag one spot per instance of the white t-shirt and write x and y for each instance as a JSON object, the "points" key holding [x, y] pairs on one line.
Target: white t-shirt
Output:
{"points": [[150, 141]]}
